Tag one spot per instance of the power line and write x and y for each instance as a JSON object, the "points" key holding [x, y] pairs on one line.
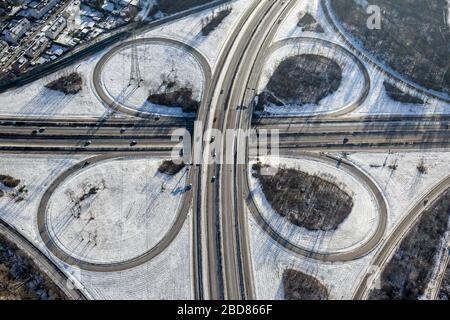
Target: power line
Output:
{"points": [[135, 70]]}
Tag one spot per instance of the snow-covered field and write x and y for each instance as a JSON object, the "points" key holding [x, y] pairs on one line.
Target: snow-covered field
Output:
{"points": [[188, 30], [270, 260], [448, 12], [402, 188], [34, 100], [156, 61], [165, 276], [405, 185], [350, 89], [133, 209], [359, 225], [290, 29], [37, 101], [378, 102], [36, 173]]}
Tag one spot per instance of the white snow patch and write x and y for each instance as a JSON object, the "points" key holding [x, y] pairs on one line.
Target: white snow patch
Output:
{"points": [[448, 13], [127, 216], [378, 102], [359, 225], [188, 30], [167, 276], [401, 188], [154, 61], [405, 185], [289, 27], [35, 100], [36, 173], [269, 261], [350, 88]]}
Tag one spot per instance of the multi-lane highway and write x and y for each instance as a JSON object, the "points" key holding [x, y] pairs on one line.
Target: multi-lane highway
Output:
{"points": [[227, 244], [220, 195], [415, 134], [207, 246], [239, 119], [89, 135], [348, 134]]}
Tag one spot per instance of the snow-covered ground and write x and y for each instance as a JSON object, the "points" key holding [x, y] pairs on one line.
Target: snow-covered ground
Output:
{"points": [[36, 173], [165, 276], [448, 12], [378, 102], [405, 185], [350, 89], [133, 209], [156, 61], [402, 188], [188, 30], [270, 260], [289, 28], [35, 100], [359, 225]]}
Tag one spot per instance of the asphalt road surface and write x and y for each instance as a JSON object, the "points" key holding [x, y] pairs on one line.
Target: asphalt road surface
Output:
{"points": [[42, 261], [112, 103], [394, 239], [366, 247], [236, 260]]}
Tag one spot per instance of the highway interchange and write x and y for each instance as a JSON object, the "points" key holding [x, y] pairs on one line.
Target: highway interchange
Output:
{"points": [[221, 254]]}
